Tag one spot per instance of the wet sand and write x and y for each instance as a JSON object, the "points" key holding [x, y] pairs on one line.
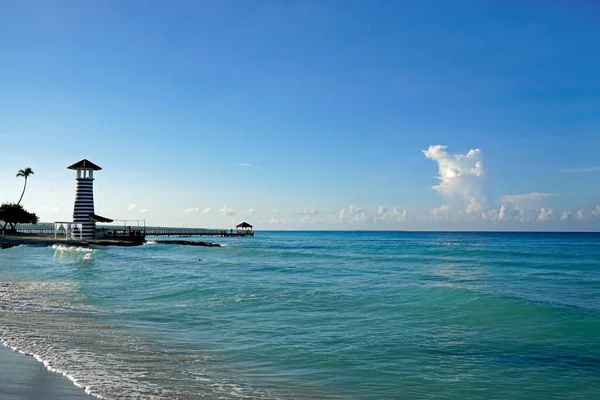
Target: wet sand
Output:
{"points": [[24, 378]]}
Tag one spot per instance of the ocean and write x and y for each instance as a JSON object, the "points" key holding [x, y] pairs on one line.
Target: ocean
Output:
{"points": [[315, 315]]}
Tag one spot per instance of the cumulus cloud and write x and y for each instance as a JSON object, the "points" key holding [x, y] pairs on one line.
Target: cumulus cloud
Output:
{"points": [[585, 169], [596, 211], [228, 212], [399, 214], [521, 198], [565, 216], [545, 214], [383, 215], [502, 214], [191, 210], [461, 176], [131, 207], [352, 215], [580, 214]]}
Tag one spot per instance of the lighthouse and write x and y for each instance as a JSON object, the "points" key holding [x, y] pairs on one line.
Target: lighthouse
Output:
{"points": [[83, 211]]}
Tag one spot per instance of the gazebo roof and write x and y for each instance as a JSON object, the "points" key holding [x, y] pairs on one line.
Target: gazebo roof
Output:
{"points": [[87, 164], [98, 218], [244, 225]]}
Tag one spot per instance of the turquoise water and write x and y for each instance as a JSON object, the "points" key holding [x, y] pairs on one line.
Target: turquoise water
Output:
{"points": [[315, 315]]}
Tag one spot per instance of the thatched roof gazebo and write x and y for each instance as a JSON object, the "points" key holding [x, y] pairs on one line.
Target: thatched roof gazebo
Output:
{"points": [[244, 228]]}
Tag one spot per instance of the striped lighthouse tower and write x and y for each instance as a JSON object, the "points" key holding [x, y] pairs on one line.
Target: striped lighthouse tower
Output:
{"points": [[84, 196]]}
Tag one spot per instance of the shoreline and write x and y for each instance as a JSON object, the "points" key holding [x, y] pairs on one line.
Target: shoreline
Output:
{"points": [[23, 377]]}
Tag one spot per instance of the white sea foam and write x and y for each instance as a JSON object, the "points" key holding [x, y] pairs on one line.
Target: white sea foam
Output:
{"points": [[79, 249]]}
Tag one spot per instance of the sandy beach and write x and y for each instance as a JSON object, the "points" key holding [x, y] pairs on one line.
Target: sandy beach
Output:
{"points": [[23, 378]]}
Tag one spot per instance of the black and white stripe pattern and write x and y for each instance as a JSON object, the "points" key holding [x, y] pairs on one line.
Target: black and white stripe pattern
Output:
{"points": [[84, 206]]}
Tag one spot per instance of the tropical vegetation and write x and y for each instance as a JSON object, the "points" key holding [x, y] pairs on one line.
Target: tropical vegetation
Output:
{"points": [[14, 213], [25, 173]]}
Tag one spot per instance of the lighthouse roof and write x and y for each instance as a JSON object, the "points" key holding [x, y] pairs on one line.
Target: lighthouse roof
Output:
{"points": [[84, 164]]}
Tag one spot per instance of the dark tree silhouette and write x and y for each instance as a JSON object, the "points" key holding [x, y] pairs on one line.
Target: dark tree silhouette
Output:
{"points": [[14, 213]]}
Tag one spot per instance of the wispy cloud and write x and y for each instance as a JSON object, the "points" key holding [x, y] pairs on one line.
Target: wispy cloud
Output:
{"points": [[585, 169], [144, 211], [228, 212], [131, 207], [307, 212], [192, 210], [207, 210], [440, 212], [244, 165], [251, 211], [565, 216], [461, 176], [520, 198]]}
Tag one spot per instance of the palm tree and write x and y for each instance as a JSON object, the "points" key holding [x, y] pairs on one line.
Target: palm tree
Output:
{"points": [[25, 173]]}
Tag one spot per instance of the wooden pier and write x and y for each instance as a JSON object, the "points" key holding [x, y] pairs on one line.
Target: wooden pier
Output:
{"points": [[196, 232], [142, 232]]}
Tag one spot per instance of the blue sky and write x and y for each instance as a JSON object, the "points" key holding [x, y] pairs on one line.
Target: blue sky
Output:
{"points": [[307, 114]]}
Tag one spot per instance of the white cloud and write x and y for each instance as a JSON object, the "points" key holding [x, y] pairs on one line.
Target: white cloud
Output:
{"points": [[353, 215], [310, 216], [307, 212], [228, 212], [596, 211], [585, 169], [192, 210], [251, 211], [276, 220], [244, 165], [565, 215], [383, 215], [461, 176], [499, 215], [545, 214], [131, 207], [399, 214], [207, 210], [440, 212], [144, 211], [521, 198], [525, 214]]}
